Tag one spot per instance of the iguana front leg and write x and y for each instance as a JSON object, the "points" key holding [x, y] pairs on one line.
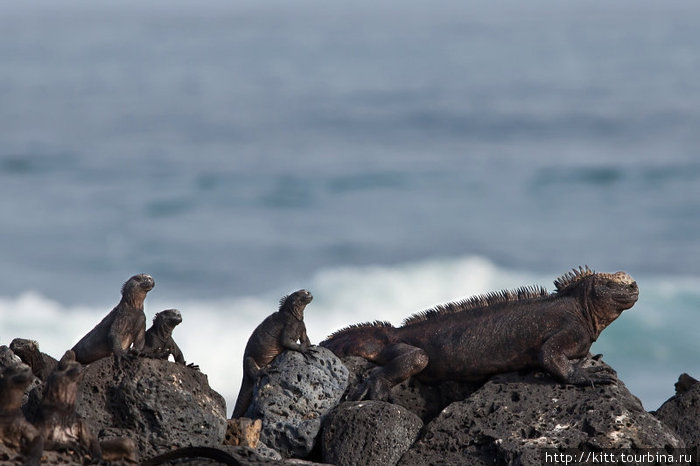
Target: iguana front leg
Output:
{"points": [[555, 359], [289, 338]]}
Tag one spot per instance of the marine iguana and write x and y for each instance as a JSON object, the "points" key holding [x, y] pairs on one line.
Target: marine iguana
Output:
{"points": [[280, 331], [63, 429], [159, 338], [28, 351], [15, 431], [57, 420], [493, 333], [123, 327]]}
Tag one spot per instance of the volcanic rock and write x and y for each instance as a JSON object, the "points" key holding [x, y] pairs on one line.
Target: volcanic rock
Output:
{"points": [[293, 395]]}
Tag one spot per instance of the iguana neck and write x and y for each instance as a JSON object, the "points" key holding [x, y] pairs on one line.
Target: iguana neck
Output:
{"points": [[134, 300], [591, 313], [163, 332]]}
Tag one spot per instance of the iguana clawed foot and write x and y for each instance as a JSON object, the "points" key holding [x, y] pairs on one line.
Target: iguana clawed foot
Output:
{"points": [[590, 376], [193, 366]]}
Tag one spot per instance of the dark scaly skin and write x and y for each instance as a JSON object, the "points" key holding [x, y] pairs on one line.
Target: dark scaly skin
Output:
{"points": [[60, 425], [283, 330], [58, 421], [15, 431], [123, 328], [159, 338], [495, 333], [28, 351]]}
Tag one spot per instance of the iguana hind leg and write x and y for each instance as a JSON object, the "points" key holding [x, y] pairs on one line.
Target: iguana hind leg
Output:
{"points": [[398, 362]]}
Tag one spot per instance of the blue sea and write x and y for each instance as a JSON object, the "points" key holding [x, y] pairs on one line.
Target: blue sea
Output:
{"points": [[388, 156]]}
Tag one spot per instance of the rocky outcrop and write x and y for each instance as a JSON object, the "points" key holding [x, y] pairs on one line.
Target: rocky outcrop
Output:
{"points": [[369, 433], [513, 418], [681, 412], [293, 395], [509, 420], [156, 403]]}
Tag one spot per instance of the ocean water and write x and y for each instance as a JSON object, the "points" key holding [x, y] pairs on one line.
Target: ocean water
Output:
{"points": [[387, 156]]}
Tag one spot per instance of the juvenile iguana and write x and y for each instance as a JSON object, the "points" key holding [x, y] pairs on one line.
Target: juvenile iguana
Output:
{"points": [[123, 327], [58, 421], [28, 351], [61, 426], [159, 338], [278, 332], [493, 333], [16, 432]]}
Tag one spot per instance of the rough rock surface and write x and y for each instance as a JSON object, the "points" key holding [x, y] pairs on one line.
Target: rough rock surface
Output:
{"points": [[513, 417], [681, 413], [156, 403], [293, 395], [369, 433]]}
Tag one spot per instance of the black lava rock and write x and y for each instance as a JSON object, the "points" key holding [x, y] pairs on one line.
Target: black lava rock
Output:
{"points": [[513, 417], [156, 403], [681, 412], [293, 395], [368, 433]]}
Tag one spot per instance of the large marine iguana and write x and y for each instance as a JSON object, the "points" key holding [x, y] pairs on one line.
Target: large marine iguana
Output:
{"points": [[280, 331], [123, 327], [159, 338], [493, 333], [16, 432]]}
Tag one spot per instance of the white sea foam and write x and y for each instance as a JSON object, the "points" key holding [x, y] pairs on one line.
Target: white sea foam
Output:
{"points": [[655, 337]]}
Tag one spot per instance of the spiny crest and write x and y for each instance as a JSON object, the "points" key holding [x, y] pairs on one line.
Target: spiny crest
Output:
{"points": [[570, 279], [283, 300], [479, 301], [352, 327]]}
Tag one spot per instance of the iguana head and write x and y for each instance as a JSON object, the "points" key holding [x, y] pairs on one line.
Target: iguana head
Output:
{"points": [[135, 289], [169, 318], [296, 302], [617, 290], [25, 349], [603, 295], [138, 283], [61, 388], [14, 379]]}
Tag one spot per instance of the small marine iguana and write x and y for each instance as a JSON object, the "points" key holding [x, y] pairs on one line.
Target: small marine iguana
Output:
{"points": [[15, 431], [493, 333], [123, 327], [278, 332], [61, 426], [159, 338], [57, 420], [28, 351]]}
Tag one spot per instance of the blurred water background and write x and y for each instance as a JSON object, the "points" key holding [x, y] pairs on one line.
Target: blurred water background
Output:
{"points": [[388, 156]]}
